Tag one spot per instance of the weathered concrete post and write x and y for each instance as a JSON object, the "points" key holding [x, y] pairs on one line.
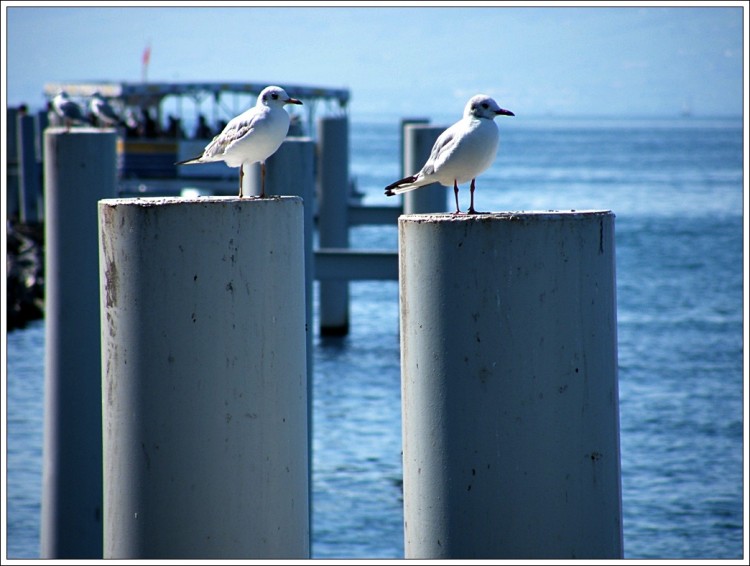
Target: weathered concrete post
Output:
{"points": [[405, 123], [204, 378], [80, 169], [12, 187], [30, 179], [509, 386], [333, 221], [418, 142]]}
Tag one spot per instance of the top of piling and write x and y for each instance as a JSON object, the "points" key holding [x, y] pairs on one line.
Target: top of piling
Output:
{"points": [[148, 202], [507, 216], [60, 130]]}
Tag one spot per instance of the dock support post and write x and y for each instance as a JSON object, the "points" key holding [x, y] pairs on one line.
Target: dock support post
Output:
{"points": [[333, 221], [80, 169], [204, 389], [418, 142], [29, 169], [509, 386], [12, 188]]}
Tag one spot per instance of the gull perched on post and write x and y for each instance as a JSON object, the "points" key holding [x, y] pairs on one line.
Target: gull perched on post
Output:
{"points": [[104, 113], [253, 136], [67, 110], [461, 152]]}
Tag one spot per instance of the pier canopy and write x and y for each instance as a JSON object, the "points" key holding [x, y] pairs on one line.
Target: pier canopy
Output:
{"points": [[166, 122], [153, 94]]}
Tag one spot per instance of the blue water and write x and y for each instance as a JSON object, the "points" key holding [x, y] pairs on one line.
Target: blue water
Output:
{"points": [[676, 187]]}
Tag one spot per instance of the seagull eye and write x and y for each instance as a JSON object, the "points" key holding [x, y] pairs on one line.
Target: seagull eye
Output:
{"points": [[485, 105], [275, 96]]}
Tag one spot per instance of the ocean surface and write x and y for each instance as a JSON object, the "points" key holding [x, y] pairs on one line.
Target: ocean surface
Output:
{"points": [[676, 187]]}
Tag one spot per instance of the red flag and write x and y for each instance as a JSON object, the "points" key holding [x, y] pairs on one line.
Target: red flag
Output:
{"points": [[146, 55]]}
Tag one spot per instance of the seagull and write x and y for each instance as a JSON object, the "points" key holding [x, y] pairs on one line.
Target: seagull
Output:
{"points": [[104, 113], [67, 110], [461, 152], [253, 136]]}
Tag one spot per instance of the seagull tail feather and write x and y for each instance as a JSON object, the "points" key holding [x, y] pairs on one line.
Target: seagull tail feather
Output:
{"points": [[402, 186], [191, 161]]}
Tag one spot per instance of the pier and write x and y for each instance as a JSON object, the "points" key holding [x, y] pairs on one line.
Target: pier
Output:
{"points": [[474, 294]]}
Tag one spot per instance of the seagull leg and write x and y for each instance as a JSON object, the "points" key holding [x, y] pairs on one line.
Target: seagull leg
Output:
{"points": [[262, 179], [455, 192], [471, 206], [242, 173]]}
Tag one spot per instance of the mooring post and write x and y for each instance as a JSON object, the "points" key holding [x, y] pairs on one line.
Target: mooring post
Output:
{"points": [[204, 388], [80, 169], [405, 123], [509, 386], [418, 142], [29, 169], [333, 221], [12, 188]]}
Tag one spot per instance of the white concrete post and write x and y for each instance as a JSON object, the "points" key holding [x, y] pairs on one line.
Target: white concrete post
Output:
{"points": [[509, 386], [80, 169], [30, 178], [333, 221], [418, 142], [204, 389]]}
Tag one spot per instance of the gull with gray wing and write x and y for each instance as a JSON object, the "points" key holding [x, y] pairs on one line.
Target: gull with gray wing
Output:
{"points": [[461, 152], [253, 136]]}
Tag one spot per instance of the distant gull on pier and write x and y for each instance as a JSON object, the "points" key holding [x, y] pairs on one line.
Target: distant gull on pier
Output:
{"points": [[253, 136], [461, 152], [104, 113], [68, 111]]}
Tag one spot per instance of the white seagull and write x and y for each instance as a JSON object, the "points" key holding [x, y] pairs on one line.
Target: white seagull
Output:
{"points": [[104, 113], [68, 111], [461, 152], [252, 136]]}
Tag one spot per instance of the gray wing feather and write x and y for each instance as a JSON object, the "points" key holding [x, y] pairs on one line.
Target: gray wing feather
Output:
{"points": [[443, 146], [234, 132]]}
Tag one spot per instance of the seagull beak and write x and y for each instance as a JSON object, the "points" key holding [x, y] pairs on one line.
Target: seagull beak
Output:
{"points": [[504, 112], [293, 101]]}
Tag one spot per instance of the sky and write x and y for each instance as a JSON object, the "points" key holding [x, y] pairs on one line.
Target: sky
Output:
{"points": [[610, 60]]}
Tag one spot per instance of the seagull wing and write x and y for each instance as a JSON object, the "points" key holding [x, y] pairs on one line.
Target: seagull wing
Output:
{"points": [[444, 146], [235, 131], [108, 112]]}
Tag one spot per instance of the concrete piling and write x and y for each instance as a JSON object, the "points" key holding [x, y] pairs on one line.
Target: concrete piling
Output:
{"points": [[333, 223], [80, 169], [509, 386], [12, 186], [418, 142], [204, 378], [31, 199]]}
